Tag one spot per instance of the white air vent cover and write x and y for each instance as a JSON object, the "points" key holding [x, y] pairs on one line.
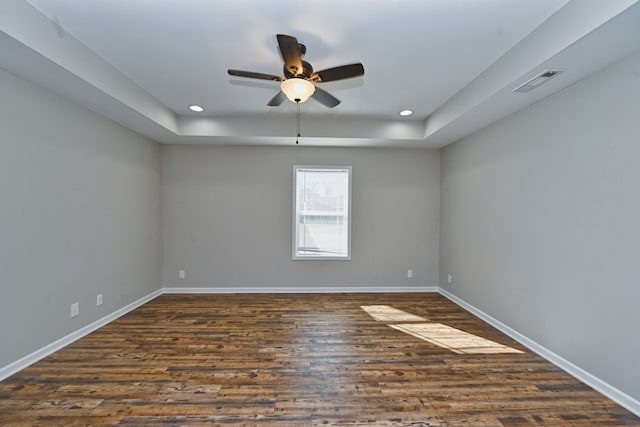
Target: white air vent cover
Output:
{"points": [[538, 80]]}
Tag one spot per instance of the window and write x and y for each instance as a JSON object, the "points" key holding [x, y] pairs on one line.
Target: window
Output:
{"points": [[322, 212]]}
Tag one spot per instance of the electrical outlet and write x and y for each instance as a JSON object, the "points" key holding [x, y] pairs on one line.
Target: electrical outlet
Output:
{"points": [[99, 299], [409, 274], [75, 309], [181, 274], [449, 278]]}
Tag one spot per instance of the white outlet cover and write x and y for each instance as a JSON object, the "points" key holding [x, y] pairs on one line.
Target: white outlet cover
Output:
{"points": [[449, 278], [99, 299], [75, 309], [410, 274], [181, 274]]}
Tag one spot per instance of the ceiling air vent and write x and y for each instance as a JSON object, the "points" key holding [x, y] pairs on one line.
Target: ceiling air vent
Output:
{"points": [[538, 80]]}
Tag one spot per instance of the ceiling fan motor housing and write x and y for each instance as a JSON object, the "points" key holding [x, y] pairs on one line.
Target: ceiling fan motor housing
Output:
{"points": [[305, 73]]}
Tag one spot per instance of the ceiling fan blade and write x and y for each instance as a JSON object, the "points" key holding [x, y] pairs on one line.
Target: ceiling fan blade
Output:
{"points": [[290, 50], [278, 99], [325, 98], [253, 75], [338, 73]]}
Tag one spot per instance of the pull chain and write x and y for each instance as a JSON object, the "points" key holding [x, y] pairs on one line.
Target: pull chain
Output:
{"points": [[298, 120]]}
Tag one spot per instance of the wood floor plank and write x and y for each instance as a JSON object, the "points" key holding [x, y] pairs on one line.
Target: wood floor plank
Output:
{"points": [[300, 360]]}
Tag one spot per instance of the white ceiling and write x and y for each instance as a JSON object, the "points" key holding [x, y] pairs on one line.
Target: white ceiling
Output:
{"points": [[454, 62]]}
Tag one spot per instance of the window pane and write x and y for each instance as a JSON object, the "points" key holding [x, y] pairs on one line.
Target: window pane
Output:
{"points": [[321, 215]]}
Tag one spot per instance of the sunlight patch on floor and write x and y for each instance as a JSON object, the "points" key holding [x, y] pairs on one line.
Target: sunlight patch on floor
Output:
{"points": [[454, 339], [384, 313], [436, 333]]}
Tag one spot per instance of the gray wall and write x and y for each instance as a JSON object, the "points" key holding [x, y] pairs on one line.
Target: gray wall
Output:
{"points": [[79, 215], [227, 217], [540, 223]]}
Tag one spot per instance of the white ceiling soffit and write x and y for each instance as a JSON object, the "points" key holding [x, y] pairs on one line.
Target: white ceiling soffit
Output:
{"points": [[455, 63]]}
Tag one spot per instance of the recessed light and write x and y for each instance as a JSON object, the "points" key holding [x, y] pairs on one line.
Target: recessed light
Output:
{"points": [[196, 108], [405, 113]]}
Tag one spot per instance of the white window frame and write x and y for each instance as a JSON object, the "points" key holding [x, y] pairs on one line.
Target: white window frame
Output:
{"points": [[294, 215]]}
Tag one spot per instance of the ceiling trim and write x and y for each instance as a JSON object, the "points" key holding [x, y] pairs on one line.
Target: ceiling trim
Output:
{"points": [[37, 49]]}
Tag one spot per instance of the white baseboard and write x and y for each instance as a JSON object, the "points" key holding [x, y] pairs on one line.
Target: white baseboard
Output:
{"points": [[296, 289], [594, 382], [45, 351]]}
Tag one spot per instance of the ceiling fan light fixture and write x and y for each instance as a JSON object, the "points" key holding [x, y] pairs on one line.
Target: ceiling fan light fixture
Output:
{"points": [[297, 90]]}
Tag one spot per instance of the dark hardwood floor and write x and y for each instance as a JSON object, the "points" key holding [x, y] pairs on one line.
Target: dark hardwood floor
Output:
{"points": [[301, 360]]}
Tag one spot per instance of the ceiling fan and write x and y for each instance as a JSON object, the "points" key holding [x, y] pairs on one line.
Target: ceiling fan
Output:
{"points": [[299, 81]]}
